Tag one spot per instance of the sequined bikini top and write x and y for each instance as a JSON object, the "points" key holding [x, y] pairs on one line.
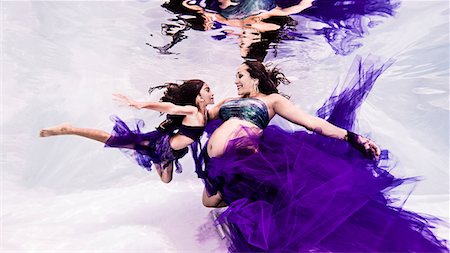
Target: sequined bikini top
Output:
{"points": [[252, 110], [247, 8]]}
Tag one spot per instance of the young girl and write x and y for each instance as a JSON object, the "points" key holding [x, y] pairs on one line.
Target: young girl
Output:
{"points": [[186, 105]]}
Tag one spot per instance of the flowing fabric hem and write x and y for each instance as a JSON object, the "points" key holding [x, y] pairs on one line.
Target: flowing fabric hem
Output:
{"points": [[144, 148]]}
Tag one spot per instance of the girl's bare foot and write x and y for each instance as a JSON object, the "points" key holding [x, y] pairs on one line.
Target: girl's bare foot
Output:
{"points": [[55, 130]]}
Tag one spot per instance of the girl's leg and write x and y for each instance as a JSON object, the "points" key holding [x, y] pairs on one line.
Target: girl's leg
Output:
{"points": [[67, 129], [165, 173]]}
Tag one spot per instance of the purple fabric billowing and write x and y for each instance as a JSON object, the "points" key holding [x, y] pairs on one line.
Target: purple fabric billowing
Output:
{"points": [[324, 10], [339, 10], [144, 148], [340, 109], [347, 20], [294, 195], [302, 192]]}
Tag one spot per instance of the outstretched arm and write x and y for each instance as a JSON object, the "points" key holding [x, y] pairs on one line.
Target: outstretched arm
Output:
{"points": [[289, 111], [226, 21], [212, 16], [157, 106], [277, 11], [193, 7]]}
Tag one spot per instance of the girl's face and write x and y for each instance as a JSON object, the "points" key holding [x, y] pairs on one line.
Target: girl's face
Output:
{"points": [[206, 94], [244, 82]]}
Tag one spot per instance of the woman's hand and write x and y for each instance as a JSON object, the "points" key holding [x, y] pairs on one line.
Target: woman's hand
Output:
{"points": [[371, 148], [365, 145], [259, 17], [278, 11], [125, 100]]}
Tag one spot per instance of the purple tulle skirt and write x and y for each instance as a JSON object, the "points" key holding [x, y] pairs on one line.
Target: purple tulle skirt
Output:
{"points": [[144, 148], [303, 192]]}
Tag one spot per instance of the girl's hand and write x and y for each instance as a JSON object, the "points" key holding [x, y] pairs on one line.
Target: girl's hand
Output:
{"points": [[125, 100]]}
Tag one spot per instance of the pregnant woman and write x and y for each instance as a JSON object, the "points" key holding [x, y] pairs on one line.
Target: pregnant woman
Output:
{"points": [[302, 192]]}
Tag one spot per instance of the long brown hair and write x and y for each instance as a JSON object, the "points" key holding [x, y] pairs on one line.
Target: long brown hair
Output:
{"points": [[269, 79], [179, 94]]}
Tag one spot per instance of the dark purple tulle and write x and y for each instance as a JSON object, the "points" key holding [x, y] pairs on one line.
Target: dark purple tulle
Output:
{"points": [[339, 10], [340, 109], [144, 148], [347, 20], [302, 192], [302, 197], [330, 11]]}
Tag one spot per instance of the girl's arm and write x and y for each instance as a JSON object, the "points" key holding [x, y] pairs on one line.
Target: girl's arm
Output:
{"points": [[213, 113], [289, 111], [158, 106]]}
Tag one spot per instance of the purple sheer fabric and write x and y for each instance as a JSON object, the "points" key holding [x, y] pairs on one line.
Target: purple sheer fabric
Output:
{"points": [[302, 192], [144, 148], [341, 108], [347, 20], [313, 194]]}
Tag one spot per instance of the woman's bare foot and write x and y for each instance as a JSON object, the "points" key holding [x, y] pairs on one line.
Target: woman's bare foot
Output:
{"points": [[55, 130]]}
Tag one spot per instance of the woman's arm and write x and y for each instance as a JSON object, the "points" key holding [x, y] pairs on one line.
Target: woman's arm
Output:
{"points": [[229, 22], [213, 16], [289, 111], [277, 11], [157, 106], [193, 7]]}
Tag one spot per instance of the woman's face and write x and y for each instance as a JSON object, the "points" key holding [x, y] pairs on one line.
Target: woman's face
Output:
{"points": [[206, 94], [245, 84]]}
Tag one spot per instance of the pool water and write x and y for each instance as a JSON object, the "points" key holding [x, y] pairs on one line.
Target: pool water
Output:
{"points": [[61, 61]]}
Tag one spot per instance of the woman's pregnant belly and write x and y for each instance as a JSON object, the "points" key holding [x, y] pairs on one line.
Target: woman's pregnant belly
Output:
{"points": [[229, 130]]}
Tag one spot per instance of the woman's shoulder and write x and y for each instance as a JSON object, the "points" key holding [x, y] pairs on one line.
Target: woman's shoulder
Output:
{"points": [[233, 98], [274, 97], [230, 99]]}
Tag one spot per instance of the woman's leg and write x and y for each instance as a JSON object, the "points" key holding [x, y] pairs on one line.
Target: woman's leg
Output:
{"points": [[165, 173], [67, 129], [212, 201]]}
